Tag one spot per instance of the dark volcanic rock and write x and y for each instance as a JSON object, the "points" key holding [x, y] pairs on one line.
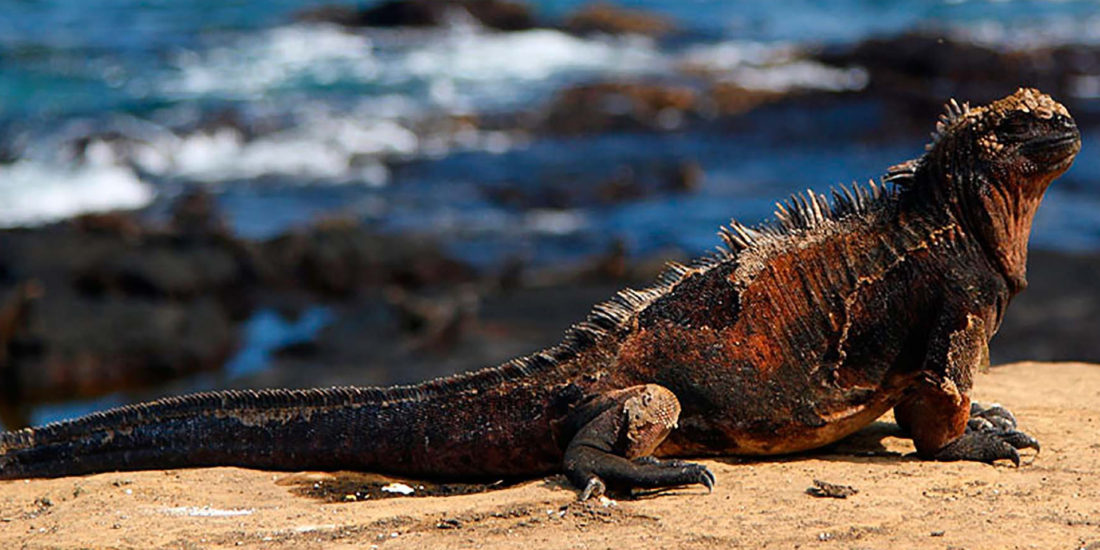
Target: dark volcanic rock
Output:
{"points": [[79, 348], [1058, 317], [610, 106], [339, 257], [115, 306], [729, 99], [495, 14], [500, 15], [607, 18], [104, 303], [627, 182], [655, 106], [919, 70]]}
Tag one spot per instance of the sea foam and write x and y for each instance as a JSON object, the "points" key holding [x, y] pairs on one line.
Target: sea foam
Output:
{"points": [[34, 192]]}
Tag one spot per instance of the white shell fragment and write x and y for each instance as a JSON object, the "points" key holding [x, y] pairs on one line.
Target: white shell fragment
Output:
{"points": [[399, 488]]}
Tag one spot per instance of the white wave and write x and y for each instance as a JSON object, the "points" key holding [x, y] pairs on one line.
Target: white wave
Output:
{"points": [[733, 54], [34, 192], [459, 67], [407, 80], [277, 58], [801, 75], [527, 55], [775, 67], [555, 222], [322, 146], [1033, 33]]}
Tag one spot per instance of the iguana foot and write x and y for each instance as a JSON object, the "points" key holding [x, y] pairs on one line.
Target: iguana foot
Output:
{"points": [[990, 435], [652, 472], [617, 435], [993, 416]]}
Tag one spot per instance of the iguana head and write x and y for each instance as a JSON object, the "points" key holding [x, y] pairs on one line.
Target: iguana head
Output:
{"points": [[990, 166]]}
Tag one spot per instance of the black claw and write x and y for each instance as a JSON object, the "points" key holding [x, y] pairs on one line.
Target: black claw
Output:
{"points": [[708, 480], [594, 488], [701, 474], [1019, 440]]}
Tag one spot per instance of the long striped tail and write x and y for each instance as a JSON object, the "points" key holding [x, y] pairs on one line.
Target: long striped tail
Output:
{"points": [[277, 429]]}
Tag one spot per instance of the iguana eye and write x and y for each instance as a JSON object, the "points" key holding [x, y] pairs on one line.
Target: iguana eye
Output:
{"points": [[1014, 127]]}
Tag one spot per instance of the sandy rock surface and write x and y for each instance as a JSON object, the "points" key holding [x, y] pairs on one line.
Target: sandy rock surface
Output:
{"points": [[1052, 501]]}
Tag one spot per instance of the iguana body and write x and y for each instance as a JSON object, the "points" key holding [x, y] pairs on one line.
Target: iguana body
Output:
{"points": [[792, 337]]}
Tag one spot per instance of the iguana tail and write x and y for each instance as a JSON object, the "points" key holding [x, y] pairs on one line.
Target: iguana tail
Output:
{"points": [[274, 428], [403, 430]]}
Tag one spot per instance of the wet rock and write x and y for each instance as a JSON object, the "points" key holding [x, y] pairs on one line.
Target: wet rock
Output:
{"points": [[494, 14], [196, 215], [437, 321], [82, 348], [918, 70], [624, 183], [611, 106], [684, 177], [730, 99], [9, 151], [338, 14], [339, 257], [612, 265], [114, 254], [607, 18], [104, 303], [395, 13], [115, 305], [1058, 317], [925, 64], [500, 15]]}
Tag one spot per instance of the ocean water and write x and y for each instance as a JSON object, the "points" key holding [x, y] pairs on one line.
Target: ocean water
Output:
{"points": [[109, 104]]}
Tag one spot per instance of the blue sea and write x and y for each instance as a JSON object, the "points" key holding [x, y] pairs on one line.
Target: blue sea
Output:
{"points": [[122, 104]]}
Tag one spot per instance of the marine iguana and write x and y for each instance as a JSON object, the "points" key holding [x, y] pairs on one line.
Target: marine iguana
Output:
{"points": [[794, 335]]}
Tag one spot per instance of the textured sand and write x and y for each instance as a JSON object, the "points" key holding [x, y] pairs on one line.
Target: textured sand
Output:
{"points": [[1053, 501]]}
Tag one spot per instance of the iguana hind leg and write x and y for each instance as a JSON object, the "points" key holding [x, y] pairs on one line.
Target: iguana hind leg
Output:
{"points": [[617, 435]]}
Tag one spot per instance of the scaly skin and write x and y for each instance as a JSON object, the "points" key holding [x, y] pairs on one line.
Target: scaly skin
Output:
{"points": [[800, 333]]}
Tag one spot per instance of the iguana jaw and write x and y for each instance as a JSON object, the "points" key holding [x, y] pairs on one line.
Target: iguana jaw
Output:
{"points": [[1047, 157], [1056, 152]]}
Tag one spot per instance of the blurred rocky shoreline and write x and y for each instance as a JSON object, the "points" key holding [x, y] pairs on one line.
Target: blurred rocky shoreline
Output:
{"points": [[159, 301], [106, 305]]}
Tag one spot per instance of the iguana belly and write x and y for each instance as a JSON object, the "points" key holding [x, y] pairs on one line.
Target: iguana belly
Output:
{"points": [[802, 438], [784, 439]]}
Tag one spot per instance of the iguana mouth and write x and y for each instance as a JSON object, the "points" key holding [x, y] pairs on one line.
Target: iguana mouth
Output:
{"points": [[1069, 141], [1054, 150]]}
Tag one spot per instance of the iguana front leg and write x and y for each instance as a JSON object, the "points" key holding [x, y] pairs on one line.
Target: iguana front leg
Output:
{"points": [[617, 434], [938, 413]]}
